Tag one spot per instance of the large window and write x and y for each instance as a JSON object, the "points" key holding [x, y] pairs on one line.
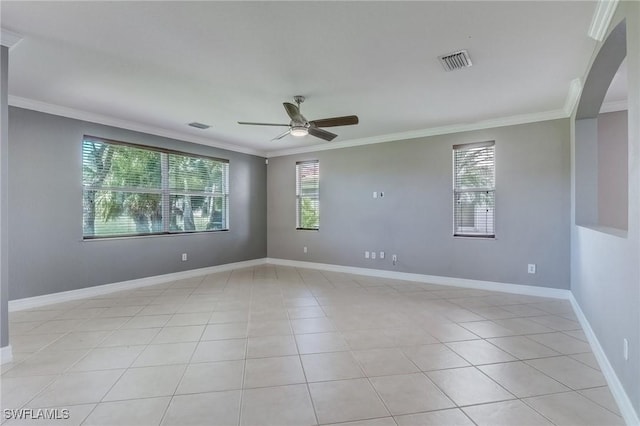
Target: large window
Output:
{"points": [[135, 190], [308, 195], [474, 190]]}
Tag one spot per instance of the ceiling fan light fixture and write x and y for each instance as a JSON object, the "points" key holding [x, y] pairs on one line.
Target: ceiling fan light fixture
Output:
{"points": [[299, 131]]}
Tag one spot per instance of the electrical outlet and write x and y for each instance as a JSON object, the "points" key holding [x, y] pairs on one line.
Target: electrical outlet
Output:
{"points": [[184, 257], [375, 194], [394, 258], [366, 254], [373, 254], [304, 249], [381, 255], [531, 268], [625, 349]]}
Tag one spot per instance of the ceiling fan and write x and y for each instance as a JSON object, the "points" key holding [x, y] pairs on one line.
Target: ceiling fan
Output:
{"points": [[300, 126]]}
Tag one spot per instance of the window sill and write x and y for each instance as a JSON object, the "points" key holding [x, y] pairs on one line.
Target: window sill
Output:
{"points": [[135, 237], [307, 229], [476, 237]]}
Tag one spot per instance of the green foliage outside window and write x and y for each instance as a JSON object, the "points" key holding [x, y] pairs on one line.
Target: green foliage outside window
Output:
{"points": [[309, 217], [130, 190], [308, 194]]}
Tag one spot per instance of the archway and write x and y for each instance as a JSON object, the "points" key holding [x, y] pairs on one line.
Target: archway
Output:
{"points": [[602, 144]]}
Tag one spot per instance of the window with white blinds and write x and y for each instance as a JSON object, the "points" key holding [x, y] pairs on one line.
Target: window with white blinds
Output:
{"points": [[308, 195], [474, 177], [135, 190]]}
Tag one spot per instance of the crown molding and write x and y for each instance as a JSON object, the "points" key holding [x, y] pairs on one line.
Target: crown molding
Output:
{"points": [[30, 104], [614, 106], [9, 38], [602, 18], [39, 106], [434, 131], [575, 89]]}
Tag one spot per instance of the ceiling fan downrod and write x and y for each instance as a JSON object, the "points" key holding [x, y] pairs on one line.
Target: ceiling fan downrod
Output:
{"points": [[298, 100]]}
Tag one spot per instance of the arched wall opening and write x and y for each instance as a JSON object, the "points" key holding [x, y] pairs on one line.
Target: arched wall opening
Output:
{"points": [[601, 149]]}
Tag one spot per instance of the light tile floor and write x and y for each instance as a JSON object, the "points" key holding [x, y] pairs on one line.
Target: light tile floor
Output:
{"points": [[283, 346]]}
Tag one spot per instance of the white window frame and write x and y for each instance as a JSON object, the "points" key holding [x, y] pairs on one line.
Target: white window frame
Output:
{"points": [[164, 191], [486, 229], [301, 197]]}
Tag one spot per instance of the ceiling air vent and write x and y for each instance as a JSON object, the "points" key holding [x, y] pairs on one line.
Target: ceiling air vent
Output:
{"points": [[199, 125], [455, 60]]}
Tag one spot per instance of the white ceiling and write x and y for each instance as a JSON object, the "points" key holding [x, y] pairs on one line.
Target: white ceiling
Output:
{"points": [[164, 64]]}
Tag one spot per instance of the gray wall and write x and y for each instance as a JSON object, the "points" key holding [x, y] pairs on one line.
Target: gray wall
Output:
{"points": [[4, 203], [613, 182], [586, 172], [48, 254], [414, 219], [601, 175], [605, 271]]}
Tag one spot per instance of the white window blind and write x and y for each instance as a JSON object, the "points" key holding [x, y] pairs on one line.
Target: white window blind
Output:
{"points": [[135, 190], [474, 190], [308, 195]]}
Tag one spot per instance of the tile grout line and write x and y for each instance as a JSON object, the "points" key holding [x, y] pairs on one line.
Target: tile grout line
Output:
{"points": [[256, 277], [304, 372]]}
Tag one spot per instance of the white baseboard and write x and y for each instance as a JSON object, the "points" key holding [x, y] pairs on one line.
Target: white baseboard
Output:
{"points": [[48, 299], [622, 399], [528, 290], [81, 293], [6, 355], [624, 403]]}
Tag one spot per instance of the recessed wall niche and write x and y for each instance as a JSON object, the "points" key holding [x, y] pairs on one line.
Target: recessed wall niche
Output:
{"points": [[602, 142]]}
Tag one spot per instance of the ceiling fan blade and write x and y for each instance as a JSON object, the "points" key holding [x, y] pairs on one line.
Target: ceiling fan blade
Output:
{"points": [[261, 124], [277, 138], [347, 120], [322, 134], [293, 111]]}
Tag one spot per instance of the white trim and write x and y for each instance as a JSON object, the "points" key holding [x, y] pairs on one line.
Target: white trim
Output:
{"points": [[528, 290], [65, 296], [434, 131], [575, 88], [602, 18], [81, 293], [77, 114], [622, 399], [62, 111], [6, 354], [9, 38], [614, 106]]}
